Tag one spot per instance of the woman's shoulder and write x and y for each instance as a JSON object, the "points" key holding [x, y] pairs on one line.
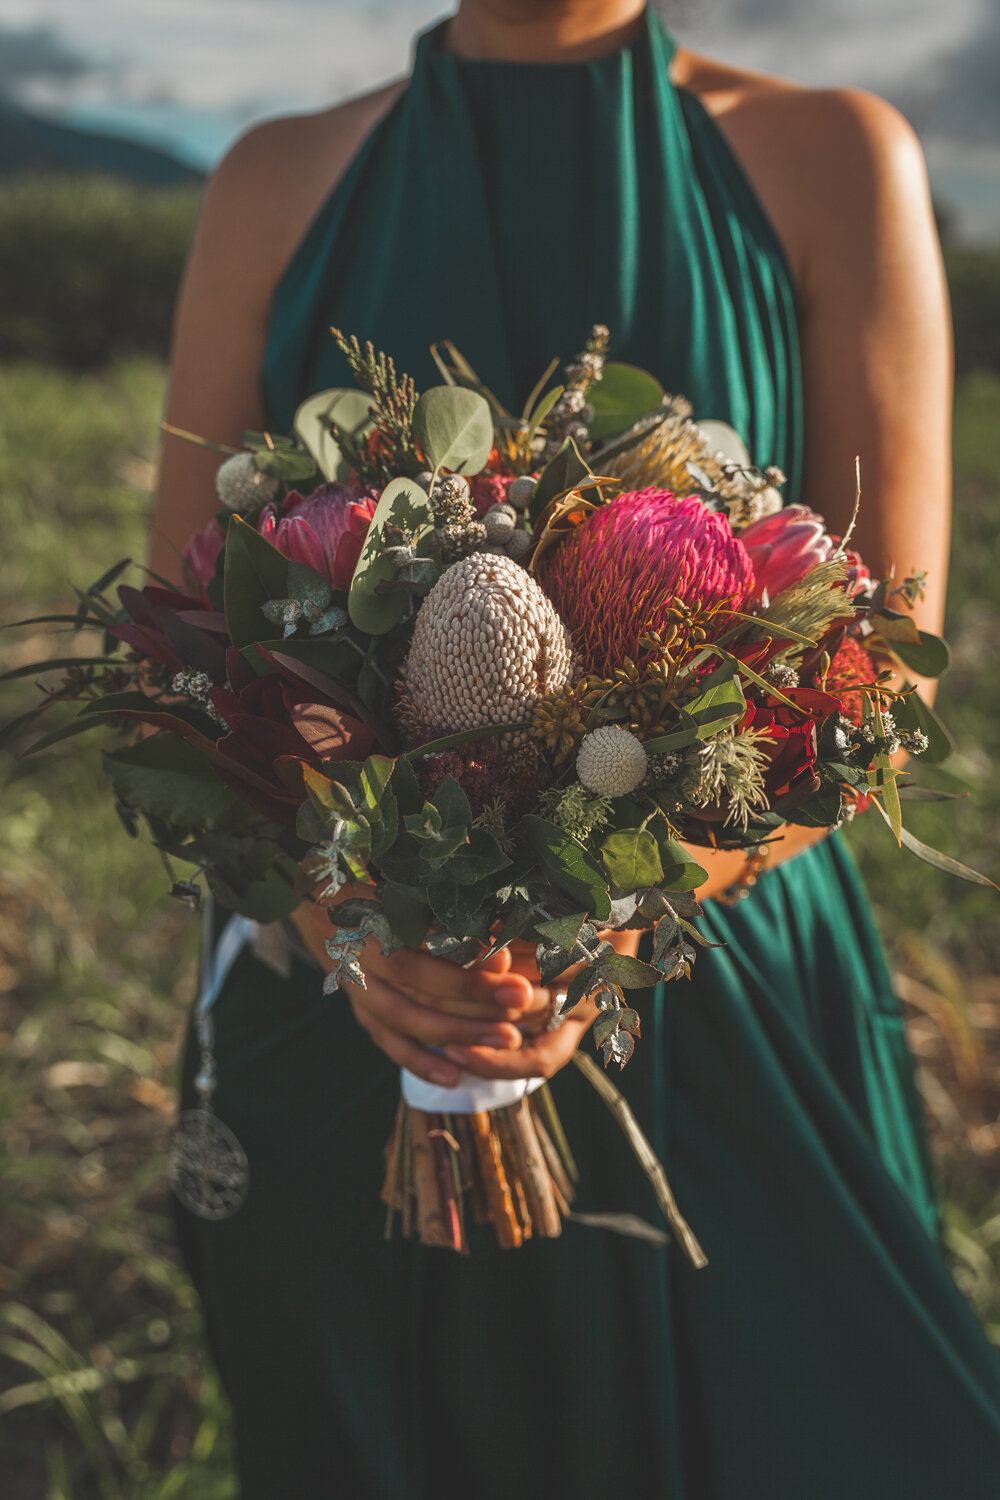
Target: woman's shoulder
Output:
{"points": [[271, 183], [825, 162]]}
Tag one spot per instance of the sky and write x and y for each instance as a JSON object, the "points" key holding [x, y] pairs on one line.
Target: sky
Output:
{"points": [[191, 75]]}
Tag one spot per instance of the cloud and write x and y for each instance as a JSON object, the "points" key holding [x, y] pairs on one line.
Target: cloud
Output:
{"points": [[960, 98], [32, 53]]}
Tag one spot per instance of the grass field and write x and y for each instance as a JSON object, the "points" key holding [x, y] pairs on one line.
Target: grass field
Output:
{"points": [[104, 1393]]}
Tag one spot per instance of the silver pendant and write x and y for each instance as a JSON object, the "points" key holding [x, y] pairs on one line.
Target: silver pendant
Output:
{"points": [[207, 1167]]}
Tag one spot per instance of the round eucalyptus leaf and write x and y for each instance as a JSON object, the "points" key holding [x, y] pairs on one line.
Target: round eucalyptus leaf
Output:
{"points": [[721, 438], [405, 506], [350, 409], [623, 394], [453, 429]]}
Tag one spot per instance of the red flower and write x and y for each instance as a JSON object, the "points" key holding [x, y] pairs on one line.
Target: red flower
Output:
{"points": [[785, 547], [325, 530], [791, 775], [850, 668], [616, 576], [489, 489]]}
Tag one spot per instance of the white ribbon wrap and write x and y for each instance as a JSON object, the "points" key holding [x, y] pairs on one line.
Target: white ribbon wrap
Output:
{"points": [[470, 1096]]}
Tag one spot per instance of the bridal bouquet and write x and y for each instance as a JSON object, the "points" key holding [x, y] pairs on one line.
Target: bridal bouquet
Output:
{"points": [[498, 672]]}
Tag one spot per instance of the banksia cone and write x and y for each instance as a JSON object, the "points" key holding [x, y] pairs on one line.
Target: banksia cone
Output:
{"points": [[487, 644], [661, 454], [615, 577]]}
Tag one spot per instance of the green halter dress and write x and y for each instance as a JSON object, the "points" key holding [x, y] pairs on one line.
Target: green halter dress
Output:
{"points": [[825, 1351]]}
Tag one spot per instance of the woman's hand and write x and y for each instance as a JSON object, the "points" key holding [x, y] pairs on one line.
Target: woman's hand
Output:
{"points": [[489, 1019]]}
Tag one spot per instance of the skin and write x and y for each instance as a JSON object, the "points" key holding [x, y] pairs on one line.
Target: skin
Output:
{"points": [[842, 178]]}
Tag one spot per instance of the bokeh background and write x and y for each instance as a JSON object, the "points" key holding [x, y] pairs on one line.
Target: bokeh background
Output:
{"points": [[110, 114]]}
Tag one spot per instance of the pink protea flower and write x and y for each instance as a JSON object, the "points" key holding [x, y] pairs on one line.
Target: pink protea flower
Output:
{"points": [[785, 547], [325, 530], [202, 550], [615, 576]]}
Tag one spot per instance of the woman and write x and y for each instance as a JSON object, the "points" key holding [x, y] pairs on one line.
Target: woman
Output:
{"points": [[769, 251]]}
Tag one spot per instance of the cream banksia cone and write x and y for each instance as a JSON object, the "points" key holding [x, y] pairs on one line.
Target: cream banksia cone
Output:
{"points": [[487, 645]]}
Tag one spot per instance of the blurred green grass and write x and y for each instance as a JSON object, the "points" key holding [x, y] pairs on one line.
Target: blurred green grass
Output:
{"points": [[104, 1391]]}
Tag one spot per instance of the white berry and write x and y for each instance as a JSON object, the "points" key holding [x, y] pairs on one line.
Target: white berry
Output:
{"points": [[611, 761]]}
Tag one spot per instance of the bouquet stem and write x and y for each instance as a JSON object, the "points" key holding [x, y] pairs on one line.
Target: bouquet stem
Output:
{"points": [[505, 1165]]}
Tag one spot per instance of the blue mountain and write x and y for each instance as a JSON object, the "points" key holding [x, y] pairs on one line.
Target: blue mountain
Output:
{"points": [[29, 143]]}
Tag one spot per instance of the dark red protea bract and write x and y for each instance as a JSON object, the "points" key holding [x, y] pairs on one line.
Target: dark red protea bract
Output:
{"points": [[202, 550], [615, 577], [325, 530], [785, 547]]}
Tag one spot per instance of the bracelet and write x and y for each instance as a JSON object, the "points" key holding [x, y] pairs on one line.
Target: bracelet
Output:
{"points": [[752, 870]]}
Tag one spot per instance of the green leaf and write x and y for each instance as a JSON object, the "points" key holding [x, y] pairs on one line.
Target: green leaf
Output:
{"points": [[329, 797], [307, 586], [254, 573], [453, 429], [407, 913], [59, 663], [168, 777], [268, 899], [674, 741], [910, 793], [452, 803], [928, 658], [406, 506], [911, 712], [939, 861], [882, 776], [681, 871], [632, 859], [375, 775], [462, 737], [405, 786], [559, 475], [289, 464], [622, 395], [350, 409], [629, 973], [563, 931], [567, 864], [720, 702], [480, 857]]}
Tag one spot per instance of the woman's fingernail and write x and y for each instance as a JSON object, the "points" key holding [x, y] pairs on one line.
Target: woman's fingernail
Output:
{"points": [[494, 1039], [446, 1077], [511, 994]]}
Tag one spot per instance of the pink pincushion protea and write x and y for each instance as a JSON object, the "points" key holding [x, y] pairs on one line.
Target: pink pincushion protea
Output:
{"points": [[325, 530], [615, 576]]}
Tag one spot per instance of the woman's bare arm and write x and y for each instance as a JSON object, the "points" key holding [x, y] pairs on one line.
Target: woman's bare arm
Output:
{"points": [[258, 204]]}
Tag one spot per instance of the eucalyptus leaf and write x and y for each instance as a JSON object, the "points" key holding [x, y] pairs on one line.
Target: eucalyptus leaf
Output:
{"points": [[453, 428], [929, 657], [406, 507], [350, 409], [911, 712], [622, 395], [631, 858]]}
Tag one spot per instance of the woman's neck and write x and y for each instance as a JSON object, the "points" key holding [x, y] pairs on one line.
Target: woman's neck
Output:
{"points": [[541, 30]]}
